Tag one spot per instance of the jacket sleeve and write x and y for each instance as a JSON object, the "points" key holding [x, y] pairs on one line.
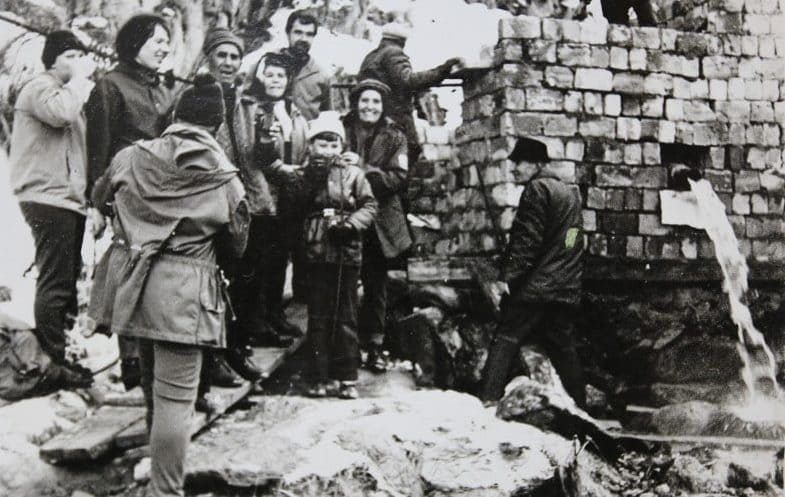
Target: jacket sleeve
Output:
{"points": [[325, 102], [402, 75], [102, 195], [232, 241], [526, 234], [60, 105], [363, 216], [388, 179], [103, 110]]}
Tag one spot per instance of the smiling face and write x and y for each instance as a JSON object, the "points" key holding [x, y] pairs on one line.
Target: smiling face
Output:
{"points": [[224, 62], [370, 106], [301, 37], [154, 50], [274, 80], [324, 147]]}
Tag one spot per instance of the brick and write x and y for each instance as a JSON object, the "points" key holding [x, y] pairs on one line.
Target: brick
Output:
{"points": [[618, 223], [658, 84], [761, 227], [634, 248], [637, 59], [649, 177], [746, 181], [768, 250], [668, 39], [552, 29], [731, 44], [574, 150], [514, 99], [756, 158], [593, 79], [735, 158], [631, 106], [674, 109], [509, 51], [760, 204], [753, 89], [722, 181], [571, 54], [667, 132], [613, 176], [613, 104], [689, 248], [696, 110], [749, 45], [573, 101], [779, 113], [544, 99], [684, 133], [619, 58], [589, 220], [771, 135], [651, 200], [712, 133], [741, 204], [600, 57], [595, 198], [601, 126], [652, 107], [520, 27], [612, 153], [761, 111], [699, 89], [717, 157], [682, 88], [559, 76], [771, 90], [757, 24], [516, 124], [650, 129], [625, 82], [774, 157], [619, 35], [719, 67], [598, 245], [633, 199], [649, 224], [689, 67], [592, 103], [633, 154], [733, 110], [628, 128], [614, 199], [646, 38], [718, 89], [560, 125], [540, 50], [555, 147], [594, 33], [749, 67], [651, 153], [692, 44], [766, 47]]}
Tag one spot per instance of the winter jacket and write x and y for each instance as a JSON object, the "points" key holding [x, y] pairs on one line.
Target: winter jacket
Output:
{"points": [[175, 199], [543, 259], [384, 159], [48, 162], [263, 184], [389, 64], [310, 89], [128, 104], [343, 194]]}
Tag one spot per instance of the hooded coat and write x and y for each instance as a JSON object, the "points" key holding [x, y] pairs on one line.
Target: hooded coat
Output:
{"points": [[176, 200]]}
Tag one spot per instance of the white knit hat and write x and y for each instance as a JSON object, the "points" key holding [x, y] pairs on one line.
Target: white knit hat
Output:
{"points": [[328, 121], [395, 30]]}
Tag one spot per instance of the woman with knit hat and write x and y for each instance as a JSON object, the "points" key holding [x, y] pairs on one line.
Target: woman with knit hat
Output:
{"points": [[130, 103], [381, 148], [177, 202]]}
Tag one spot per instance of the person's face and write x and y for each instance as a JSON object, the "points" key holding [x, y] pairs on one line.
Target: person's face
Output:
{"points": [[322, 150], [274, 80], [369, 106], [526, 170], [155, 49], [224, 62], [63, 64], [301, 37]]}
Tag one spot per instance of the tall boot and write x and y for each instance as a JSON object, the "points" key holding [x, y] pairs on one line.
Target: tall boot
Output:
{"points": [[497, 367]]}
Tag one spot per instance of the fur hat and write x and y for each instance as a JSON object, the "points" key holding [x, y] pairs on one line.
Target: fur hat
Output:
{"points": [[370, 84], [219, 36], [395, 31], [203, 103], [58, 42], [328, 122], [529, 150]]}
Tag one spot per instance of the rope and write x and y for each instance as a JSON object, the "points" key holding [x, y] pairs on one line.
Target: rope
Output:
{"points": [[100, 50]]}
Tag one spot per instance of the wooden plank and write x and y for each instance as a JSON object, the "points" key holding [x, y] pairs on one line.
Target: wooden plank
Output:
{"points": [[93, 437], [691, 440], [268, 359]]}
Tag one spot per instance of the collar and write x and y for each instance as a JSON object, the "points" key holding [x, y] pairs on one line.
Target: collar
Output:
{"points": [[138, 73]]}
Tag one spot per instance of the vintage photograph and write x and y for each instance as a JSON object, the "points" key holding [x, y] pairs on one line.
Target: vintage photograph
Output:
{"points": [[392, 248]]}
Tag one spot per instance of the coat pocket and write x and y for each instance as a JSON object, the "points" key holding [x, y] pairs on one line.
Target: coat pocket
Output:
{"points": [[211, 331]]}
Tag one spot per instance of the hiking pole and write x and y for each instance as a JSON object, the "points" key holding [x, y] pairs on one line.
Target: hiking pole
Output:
{"points": [[94, 48]]}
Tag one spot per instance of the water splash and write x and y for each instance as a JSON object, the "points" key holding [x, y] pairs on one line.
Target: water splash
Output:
{"points": [[759, 367]]}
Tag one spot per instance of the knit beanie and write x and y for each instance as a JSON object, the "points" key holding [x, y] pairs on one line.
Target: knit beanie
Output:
{"points": [[219, 36], [328, 121], [58, 42], [202, 103], [369, 84], [135, 33]]}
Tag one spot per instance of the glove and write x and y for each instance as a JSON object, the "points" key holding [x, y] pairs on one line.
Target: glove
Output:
{"points": [[341, 232]]}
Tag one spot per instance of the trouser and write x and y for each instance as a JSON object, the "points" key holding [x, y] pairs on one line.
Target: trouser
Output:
{"points": [[170, 377], [550, 326], [617, 11], [280, 235], [373, 311], [246, 287], [58, 235], [332, 322]]}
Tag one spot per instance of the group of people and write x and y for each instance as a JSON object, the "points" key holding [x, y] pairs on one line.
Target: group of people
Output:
{"points": [[211, 191]]}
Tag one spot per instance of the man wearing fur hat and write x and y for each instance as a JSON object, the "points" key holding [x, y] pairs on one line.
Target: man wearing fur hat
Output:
{"points": [[389, 64], [178, 203], [48, 165], [541, 269]]}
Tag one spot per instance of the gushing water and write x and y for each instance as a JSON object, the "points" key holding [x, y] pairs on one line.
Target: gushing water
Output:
{"points": [[758, 370]]}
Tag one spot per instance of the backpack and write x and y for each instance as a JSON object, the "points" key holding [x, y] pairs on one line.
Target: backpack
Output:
{"points": [[23, 364]]}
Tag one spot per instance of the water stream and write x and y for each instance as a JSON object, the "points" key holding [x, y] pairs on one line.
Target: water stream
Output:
{"points": [[759, 368]]}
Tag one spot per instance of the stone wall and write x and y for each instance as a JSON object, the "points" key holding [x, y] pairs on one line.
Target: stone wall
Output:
{"points": [[618, 107]]}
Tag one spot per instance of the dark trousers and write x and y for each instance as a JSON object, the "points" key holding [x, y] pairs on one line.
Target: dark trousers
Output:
{"points": [[552, 327], [247, 285], [332, 322], [281, 240], [58, 235], [617, 11], [373, 311]]}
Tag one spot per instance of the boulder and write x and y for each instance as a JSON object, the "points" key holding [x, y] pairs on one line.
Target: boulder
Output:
{"points": [[695, 360], [427, 442]]}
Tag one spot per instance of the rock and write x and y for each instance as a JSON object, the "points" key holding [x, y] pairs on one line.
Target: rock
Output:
{"points": [[694, 360], [662, 490], [442, 442], [742, 477], [142, 470], [689, 418], [688, 473], [79, 493], [662, 394], [590, 476]]}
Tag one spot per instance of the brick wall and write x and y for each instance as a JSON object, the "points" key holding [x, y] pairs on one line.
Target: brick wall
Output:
{"points": [[617, 107]]}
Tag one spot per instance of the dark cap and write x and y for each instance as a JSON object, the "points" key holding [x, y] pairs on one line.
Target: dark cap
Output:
{"points": [[58, 42], [202, 103], [529, 150], [219, 36]]}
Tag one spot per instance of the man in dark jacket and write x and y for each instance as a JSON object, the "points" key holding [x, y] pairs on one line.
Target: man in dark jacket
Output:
{"points": [[541, 270], [389, 64]]}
